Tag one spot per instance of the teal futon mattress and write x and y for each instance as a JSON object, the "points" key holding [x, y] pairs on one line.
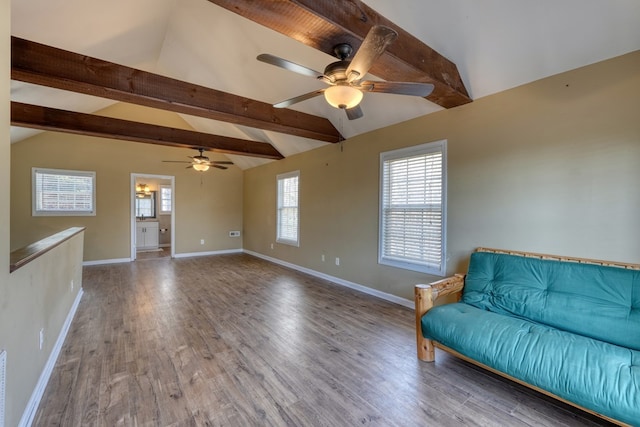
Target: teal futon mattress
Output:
{"points": [[571, 329]]}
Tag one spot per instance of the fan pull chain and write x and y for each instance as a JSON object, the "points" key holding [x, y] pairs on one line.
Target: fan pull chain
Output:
{"points": [[340, 125]]}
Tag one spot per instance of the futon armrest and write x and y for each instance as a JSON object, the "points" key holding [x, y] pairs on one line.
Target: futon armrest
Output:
{"points": [[446, 286], [425, 295]]}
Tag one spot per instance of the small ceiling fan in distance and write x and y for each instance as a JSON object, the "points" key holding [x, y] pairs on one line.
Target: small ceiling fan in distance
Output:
{"points": [[346, 89], [201, 163]]}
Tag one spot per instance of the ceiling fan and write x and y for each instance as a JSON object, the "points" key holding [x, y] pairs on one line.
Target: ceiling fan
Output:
{"points": [[346, 89], [201, 163]]}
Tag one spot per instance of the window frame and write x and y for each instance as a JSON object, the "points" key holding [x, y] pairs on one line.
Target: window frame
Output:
{"points": [[280, 178], [406, 263], [160, 202], [61, 172]]}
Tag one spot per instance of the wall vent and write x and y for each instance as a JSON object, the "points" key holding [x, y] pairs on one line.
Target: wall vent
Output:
{"points": [[3, 381]]}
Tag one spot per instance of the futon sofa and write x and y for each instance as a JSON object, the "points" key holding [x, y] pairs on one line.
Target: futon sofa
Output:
{"points": [[567, 327]]}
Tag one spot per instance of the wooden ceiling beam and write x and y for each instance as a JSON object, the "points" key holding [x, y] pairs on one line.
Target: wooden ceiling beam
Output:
{"points": [[40, 64], [52, 119], [322, 24]]}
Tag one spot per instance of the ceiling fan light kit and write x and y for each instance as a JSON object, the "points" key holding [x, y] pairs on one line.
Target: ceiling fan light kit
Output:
{"points": [[343, 96], [201, 163], [200, 167], [346, 89]]}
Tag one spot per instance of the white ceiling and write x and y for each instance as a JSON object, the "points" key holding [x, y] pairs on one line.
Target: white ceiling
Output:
{"points": [[496, 44]]}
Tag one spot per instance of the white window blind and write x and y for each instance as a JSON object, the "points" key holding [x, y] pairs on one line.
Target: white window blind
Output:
{"points": [[288, 210], [63, 192], [412, 208], [165, 199]]}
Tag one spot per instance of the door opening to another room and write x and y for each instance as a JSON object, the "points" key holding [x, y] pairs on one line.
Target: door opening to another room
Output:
{"points": [[152, 216]]}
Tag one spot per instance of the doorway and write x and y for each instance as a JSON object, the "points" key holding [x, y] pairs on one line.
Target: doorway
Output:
{"points": [[152, 215]]}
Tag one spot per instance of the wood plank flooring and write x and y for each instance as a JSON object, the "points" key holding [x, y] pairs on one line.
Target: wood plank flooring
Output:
{"points": [[234, 340]]}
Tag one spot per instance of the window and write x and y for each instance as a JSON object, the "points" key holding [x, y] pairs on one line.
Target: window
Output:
{"points": [[165, 199], [63, 192], [412, 208], [288, 212]]}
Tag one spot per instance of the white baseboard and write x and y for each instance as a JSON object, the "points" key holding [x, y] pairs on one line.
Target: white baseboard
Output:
{"points": [[222, 252], [36, 396], [182, 255], [365, 289], [106, 261]]}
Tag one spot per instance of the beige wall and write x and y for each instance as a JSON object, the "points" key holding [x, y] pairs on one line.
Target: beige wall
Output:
{"points": [[552, 166], [5, 282], [36, 296], [208, 205], [41, 298]]}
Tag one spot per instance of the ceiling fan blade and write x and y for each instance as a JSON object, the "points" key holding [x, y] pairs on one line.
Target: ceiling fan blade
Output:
{"points": [[397, 88], [288, 65], [219, 167], [354, 113], [374, 45], [299, 98], [217, 162]]}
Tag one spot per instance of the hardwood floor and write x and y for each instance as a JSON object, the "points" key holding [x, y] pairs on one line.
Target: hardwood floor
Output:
{"points": [[153, 254], [234, 340]]}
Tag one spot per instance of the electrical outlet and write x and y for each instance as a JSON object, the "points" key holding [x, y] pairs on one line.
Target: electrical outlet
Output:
{"points": [[234, 234], [322, 257], [272, 246], [71, 285], [202, 241], [337, 261], [41, 338]]}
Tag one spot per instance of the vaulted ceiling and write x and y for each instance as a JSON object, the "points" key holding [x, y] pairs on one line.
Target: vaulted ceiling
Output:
{"points": [[213, 44]]}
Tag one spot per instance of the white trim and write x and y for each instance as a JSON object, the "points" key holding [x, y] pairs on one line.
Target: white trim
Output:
{"points": [[406, 152], [281, 178], [364, 289], [160, 211], [106, 261], [133, 213], [182, 255], [36, 396], [195, 254], [62, 172]]}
